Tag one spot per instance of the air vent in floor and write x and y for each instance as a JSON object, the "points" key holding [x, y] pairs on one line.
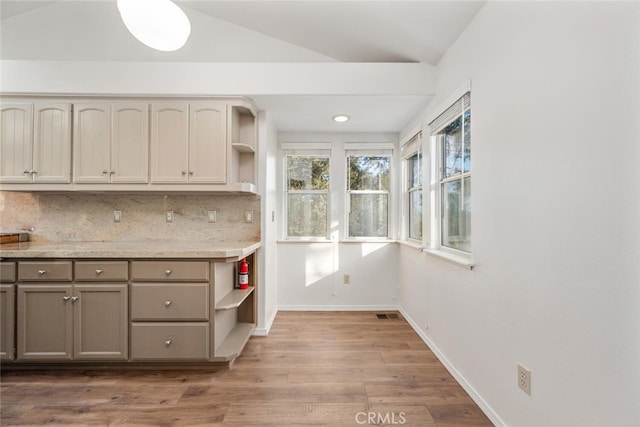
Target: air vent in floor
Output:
{"points": [[386, 316]]}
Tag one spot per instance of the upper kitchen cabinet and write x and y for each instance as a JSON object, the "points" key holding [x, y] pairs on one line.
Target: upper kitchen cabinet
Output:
{"points": [[35, 143], [243, 129], [188, 143], [111, 143]]}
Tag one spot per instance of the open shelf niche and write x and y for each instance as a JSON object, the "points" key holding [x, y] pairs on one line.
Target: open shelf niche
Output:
{"points": [[235, 310], [243, 143]]}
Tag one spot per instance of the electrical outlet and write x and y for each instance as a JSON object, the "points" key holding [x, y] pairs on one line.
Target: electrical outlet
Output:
{"points": [[169, 216], [347, 279], [211, 216], [248, 216], [117, 216], [524, 379]]}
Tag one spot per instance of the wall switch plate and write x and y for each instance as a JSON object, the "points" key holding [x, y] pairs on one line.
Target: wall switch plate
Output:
{"points": [[524, 379], [169, 216], [347, 279], [117, 216], [248, 216], [211, 216]]}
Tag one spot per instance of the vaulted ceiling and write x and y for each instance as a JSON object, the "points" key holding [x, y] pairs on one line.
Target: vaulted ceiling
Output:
{"points": [[257, 31]]}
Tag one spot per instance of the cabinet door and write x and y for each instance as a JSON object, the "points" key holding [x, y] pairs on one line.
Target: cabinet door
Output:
{"points": [[100, 322], [169, 142], [44, 322], [52, 143], [208, 143], [91, 143], [130, 142], [16, 144], [7, 322]]}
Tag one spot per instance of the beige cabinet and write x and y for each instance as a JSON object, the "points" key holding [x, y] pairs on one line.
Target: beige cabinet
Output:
{"points": [[111, 143], [7, 312], [188, 142], [45, 322], [35, 143], [170, 310], [65, 321]]}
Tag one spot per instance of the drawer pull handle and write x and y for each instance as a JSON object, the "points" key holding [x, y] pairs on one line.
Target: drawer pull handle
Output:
{"points": [[167, 343], [167, 272], [99, 271], [167, 303], [41, 272], [66, 298], [74, 299]]}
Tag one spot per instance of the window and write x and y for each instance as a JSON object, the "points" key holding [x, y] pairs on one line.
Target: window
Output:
{"points": [[452, 135], [307, 195], [412, 153], [368, 192]]}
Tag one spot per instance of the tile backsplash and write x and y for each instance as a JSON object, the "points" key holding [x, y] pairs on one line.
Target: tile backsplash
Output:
{"points": [[90, 217]]}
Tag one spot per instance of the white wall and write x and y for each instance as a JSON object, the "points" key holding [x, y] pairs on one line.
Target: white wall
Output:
{"points": [[268, 274], [310, 275], [556, 208]]}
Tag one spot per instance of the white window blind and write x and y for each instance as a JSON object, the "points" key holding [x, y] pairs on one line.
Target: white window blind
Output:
{"points": [[448, 115]]}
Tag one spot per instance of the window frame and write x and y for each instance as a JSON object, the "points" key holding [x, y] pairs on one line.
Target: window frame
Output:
{"points": [[410, 150], [309, 153], [438, 180], [369, 152]]}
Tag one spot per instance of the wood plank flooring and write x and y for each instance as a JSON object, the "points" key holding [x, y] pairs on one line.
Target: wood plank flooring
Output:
{"points": [[314, 368]]}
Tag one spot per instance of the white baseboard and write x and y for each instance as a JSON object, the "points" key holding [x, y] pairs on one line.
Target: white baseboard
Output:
{"points": [[263, 332], [484, 406], [338, 307]]}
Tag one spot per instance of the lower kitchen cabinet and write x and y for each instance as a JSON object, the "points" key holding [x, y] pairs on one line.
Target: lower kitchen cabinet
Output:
{"points": [[7, 323], [125, 311], [65, 322]]}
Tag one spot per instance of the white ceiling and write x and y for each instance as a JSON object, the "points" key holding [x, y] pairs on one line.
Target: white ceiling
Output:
{"points": [[239, 31]]}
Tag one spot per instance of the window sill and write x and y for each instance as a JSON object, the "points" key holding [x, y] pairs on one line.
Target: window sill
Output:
{"points": [[455, 259], [368, 241], [305, 241], [412, 245]]}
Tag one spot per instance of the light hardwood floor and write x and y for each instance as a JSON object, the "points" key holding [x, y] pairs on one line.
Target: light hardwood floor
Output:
{"points": [[314, 368]]}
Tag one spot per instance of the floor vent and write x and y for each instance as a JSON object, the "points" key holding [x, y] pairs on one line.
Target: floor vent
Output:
{"points": [[386, 316]]}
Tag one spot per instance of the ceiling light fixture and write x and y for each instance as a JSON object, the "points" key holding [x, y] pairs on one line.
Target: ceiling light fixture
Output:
{"points": [[159, 24], [340, 118]]}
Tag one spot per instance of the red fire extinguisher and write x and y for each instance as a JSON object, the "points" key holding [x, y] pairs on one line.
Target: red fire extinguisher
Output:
{"points": [[243, 274]]}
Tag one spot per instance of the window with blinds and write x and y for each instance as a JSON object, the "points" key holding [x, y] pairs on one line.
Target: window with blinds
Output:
{"points": [[412, 155], [451, 132]]}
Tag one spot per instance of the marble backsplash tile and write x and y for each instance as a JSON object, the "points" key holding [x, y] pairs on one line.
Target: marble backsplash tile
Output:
{"points": [[89, 217]]}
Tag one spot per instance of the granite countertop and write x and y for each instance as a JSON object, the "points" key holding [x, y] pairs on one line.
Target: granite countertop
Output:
{"points": [[139, 249]]}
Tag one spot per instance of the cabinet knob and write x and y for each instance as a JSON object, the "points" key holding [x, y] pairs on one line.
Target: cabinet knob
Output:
{"points": [[26, 171], [74, 299], [184, 172], [105, 171], [66, 298], [112, 172], [99, 271], [41, 272], [167, 343], [190, 172], [167, 303], [32, 171], [167, 272]]}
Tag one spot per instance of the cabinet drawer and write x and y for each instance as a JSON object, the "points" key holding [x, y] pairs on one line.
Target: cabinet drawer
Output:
{"points": [[178, 301], [170, 270], [45, 271], [7, 272], [102, 271], [167, 341]]}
